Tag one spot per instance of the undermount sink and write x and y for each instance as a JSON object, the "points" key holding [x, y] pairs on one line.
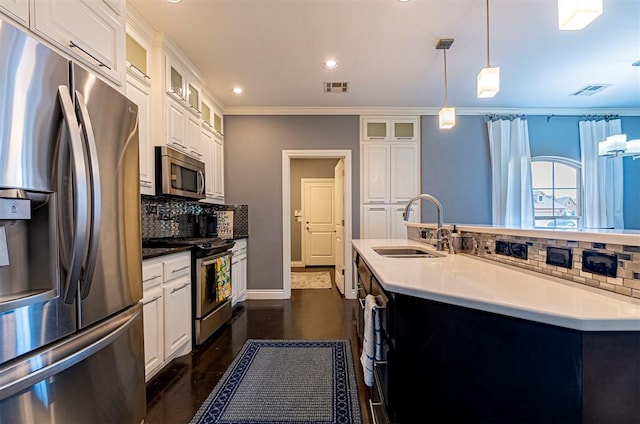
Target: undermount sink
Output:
{"points": [[406, 252]]}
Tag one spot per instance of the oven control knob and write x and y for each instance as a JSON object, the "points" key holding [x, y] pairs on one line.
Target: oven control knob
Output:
{"points": [[206, 244]]}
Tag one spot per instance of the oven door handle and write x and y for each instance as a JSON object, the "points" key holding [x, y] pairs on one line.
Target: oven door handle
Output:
{"points": [[210, 260]]}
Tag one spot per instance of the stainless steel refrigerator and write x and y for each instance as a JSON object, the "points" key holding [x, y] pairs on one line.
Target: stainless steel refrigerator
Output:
{"points": [[71, 339]]}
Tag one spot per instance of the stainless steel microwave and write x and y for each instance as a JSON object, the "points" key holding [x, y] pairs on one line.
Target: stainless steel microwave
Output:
{"points": [[178, 174]]}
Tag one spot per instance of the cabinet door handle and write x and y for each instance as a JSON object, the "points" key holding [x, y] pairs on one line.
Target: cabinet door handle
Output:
{"points": [[100, 63], [151, 278], [404, 138], [145, 76], [180, 288], [361, 303], [376, 138], [153, 299], [180, 269], [377, 209]]}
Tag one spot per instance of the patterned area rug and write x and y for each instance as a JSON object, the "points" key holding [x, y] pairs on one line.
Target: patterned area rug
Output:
{"points": [[292, 381], [311, 280]]}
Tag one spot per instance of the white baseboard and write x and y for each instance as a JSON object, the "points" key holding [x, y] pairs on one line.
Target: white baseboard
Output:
{"points": [[297, 264], [267, 294]]}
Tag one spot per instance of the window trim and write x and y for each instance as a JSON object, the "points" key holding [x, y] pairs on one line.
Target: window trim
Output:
{"points": [[574, 164]]}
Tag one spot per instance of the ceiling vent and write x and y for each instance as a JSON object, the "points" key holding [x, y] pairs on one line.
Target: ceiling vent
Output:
{"points": [[590, 90], [336, 87]]}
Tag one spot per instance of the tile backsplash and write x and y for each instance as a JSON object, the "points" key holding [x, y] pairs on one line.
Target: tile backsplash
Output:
{"points": [[626, 282], [168, 217]]}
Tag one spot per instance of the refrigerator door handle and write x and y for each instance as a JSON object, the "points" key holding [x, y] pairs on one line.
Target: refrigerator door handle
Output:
{"points": [[74, 265], [20, 376], [95, 198]]}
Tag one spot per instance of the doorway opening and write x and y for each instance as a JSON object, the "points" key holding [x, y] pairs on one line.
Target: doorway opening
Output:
{"points": [[322, 238]]}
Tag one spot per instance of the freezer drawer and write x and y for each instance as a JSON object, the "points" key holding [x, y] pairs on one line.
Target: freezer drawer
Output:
{"points": [[96, 376]]}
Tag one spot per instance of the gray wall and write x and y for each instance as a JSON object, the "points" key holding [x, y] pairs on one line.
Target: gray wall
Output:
{"points": [[253, 176], [305, 168], [560, 136], [456, 165], [456, 169]]}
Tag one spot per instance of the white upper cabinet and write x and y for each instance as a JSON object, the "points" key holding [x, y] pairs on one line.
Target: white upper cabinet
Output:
{"points": [[16, 9], [390, 173], [194, 144], [405, 129], [376, 172], [218, 166], [176, 121], [139, 94], [176, 81], [390, 129], [375, 129], [92, 31], [193, 96], [206, 115], [138, 56], [138, 89], [404, 171], [217, 122]]}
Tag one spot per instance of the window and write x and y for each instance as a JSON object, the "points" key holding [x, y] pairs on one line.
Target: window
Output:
{"points": [[556, 192]]}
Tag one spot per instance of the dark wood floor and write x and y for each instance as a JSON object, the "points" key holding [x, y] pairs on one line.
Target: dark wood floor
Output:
{"points": [[176, 393]]}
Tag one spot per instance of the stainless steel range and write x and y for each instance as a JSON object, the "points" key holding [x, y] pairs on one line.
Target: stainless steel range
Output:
{"points": [[211, 278]]}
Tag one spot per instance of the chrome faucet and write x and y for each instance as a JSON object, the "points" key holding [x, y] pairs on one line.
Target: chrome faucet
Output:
{"points": [[436, 203], [439, 233]]}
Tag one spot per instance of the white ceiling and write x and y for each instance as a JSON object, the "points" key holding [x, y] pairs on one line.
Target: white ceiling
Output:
{"points": [[275, 49]]}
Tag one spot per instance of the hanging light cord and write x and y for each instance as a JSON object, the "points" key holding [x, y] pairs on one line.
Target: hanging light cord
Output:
{"points": [[488, 65], [446, 90]]}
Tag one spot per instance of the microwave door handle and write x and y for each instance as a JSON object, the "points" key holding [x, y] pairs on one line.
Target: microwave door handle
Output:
{"points": [[74, 265], [201, 175], [95, 198]]}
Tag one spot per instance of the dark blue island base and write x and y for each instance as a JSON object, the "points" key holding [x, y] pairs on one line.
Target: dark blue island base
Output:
{"points": [[449, 364]]}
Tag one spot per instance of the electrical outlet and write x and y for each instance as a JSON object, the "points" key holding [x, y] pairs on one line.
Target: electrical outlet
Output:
{"points": [[559, 256]]}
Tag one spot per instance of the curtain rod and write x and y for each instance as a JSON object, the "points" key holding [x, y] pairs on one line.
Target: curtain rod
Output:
{"points": [[587, 117], [509, 117]]}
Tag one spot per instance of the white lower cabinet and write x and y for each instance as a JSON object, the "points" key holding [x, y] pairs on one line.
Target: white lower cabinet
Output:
{"points": [[239, 272], [166, 282], [153, 313], [177, 323], [386, 221]]}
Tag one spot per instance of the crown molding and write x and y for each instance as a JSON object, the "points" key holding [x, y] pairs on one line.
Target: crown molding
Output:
{"points": [[231, 110]]}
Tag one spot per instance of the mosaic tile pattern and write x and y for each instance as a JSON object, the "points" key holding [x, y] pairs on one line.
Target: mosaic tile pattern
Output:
{"points": [[626, 282], [167, 217]]}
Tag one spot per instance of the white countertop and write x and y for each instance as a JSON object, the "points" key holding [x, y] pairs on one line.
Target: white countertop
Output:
{"points": [[628, 237], [481, 284]]}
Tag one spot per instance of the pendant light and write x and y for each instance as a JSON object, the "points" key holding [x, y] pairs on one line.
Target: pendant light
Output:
{"points": [[488, 78], [577, 14], [447, 115]]}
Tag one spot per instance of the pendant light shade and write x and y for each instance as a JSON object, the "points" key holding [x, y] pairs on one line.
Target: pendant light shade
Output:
{"points": [[488, 82], [447, 118], [577, 14], [489, 78], [447, 115]]}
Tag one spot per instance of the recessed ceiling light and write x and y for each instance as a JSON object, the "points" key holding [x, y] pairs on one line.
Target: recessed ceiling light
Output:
{"points": [[237, 90], [403, 1], [174, 1], [331, 64]]}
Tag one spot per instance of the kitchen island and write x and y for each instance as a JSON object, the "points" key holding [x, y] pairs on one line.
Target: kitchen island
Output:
{"points": [[487, 342]]}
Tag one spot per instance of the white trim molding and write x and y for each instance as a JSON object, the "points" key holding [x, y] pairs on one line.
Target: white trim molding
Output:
{"points": [[297, 264], [238, 110], [287, 155], [267, 294]]}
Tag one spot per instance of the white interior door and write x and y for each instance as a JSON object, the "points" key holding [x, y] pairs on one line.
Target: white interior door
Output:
{"points": [[339, 214], [318, 217]]}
